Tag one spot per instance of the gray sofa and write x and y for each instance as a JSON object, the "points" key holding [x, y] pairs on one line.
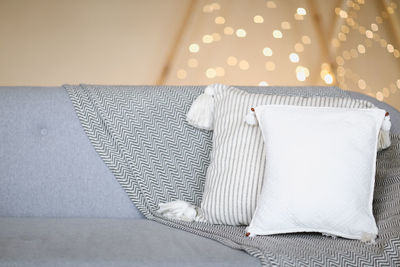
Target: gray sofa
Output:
{"points": [[61, 206]]}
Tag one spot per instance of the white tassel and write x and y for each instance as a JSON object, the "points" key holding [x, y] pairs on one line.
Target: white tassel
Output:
{"points": [[384, 134], [181, 210], [386, 125], [201, 113], [251, 118], [368, 238]]}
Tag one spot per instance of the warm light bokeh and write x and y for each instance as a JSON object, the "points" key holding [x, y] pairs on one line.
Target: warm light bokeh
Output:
{"points": [[353, 44], [350, 44]]}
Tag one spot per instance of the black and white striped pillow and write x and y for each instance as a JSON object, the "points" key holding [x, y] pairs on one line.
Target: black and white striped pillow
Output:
{"points": [[236, 170]]}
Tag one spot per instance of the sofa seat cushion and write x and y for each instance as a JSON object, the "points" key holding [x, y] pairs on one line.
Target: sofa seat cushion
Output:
{"points": [[108, 242]]}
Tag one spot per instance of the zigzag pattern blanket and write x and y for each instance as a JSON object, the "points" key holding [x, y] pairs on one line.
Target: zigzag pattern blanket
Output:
{"points": [[142, 136]]}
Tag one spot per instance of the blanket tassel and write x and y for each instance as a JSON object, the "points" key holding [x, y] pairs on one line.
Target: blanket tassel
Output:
{"points": [[181, 210]]}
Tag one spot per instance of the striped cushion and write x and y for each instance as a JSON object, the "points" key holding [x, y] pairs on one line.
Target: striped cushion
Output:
{"points": [[235, 174]]}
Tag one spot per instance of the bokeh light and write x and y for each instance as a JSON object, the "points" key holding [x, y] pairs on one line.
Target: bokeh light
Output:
{"points": [[228, 30], [270, 66], [277, 34], [258, 19], [181, 74], [352, 42], [301, 11], [294, 57], [271, 4], [219, 20], [192, 63], [231, 61], [241, 33], [267, 51], [244, 65], [194, 48], [211, 73]]}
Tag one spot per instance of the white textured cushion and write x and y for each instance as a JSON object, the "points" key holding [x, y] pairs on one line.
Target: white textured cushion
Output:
{"points": [[236, 170], [320, 170]]}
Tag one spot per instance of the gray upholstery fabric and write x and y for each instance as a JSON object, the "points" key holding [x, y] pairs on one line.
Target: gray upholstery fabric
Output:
{"points": [[47, 165], [109, 242]]}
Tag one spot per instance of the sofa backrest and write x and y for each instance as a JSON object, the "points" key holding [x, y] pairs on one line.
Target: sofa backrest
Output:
{"points": [[47, 164]]}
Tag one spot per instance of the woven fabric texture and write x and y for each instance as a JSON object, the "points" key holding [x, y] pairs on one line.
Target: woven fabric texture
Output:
{"points": [[236, 171], [141, 134]]}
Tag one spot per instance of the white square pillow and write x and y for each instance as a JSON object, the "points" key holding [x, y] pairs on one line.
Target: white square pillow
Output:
{"points": [[236, 170], [320, 171]]}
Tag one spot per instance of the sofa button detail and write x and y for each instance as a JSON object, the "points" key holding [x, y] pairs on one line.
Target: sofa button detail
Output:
{"points": [[43, 131]]}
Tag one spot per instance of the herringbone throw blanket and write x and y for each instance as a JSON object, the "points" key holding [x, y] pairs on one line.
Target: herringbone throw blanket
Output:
{"points": [[141, 134]]}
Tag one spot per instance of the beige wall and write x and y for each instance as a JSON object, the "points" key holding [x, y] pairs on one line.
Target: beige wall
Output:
{"points": [[52, 42]]}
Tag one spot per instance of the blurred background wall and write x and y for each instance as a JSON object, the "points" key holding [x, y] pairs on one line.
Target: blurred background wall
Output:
{"points": [[353, 44]]}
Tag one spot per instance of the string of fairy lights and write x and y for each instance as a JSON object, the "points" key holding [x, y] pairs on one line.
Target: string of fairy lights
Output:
{"points": [[348, 14]]}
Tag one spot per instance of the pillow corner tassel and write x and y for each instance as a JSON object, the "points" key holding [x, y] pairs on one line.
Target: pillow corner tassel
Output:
{"points": [[368, 238], [384, 133], [201, 113], [251, 118]]}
